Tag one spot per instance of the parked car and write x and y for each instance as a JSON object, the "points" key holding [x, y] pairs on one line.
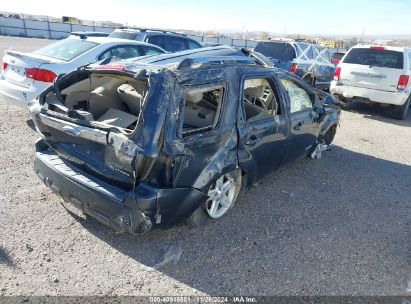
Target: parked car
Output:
{"points": [[336, 57], [25, 75], [309, 61], [139, 144], [375, 74], [167, 40], [205, 52]]}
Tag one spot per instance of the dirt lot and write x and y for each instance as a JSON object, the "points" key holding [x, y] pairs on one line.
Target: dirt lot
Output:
{"points": [[335, 226]]}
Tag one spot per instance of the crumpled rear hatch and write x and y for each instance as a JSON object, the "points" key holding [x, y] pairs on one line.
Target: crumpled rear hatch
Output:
{"points": [[90, 118]]}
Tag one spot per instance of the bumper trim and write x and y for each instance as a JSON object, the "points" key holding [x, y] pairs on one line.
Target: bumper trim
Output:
{"points": [[385, 97], [106, 203]]}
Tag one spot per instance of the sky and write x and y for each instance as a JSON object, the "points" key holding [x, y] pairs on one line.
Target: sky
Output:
{"points": [[319, 17]]}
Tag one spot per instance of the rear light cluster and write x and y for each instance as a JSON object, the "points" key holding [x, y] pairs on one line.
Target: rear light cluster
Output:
{"points": [[377, 47], [337, 73], [4, 65], [40, 74], [403, 82], [293, 68], [335, 60]]}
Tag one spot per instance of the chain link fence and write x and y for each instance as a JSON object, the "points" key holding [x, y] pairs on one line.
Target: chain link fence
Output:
{"points": [[58, 30]]}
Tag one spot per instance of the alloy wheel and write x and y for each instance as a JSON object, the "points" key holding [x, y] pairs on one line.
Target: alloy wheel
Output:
{"points": [[221, 196]]}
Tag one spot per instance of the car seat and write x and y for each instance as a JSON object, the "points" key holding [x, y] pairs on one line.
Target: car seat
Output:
{"points": [[196, 116], [130, 97]]}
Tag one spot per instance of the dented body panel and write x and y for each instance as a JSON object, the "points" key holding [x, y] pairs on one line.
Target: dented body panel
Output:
{"points": [[156, 175]]}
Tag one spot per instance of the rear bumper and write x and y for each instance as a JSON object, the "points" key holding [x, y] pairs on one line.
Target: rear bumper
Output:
{"points": [[19, 95], [323, 86], [350, 92], [123, 211]]}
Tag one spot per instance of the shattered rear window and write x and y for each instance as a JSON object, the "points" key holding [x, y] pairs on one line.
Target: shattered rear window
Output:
{"points": [[276, 50]]}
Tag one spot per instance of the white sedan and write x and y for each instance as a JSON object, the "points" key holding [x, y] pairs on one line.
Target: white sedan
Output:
{"points": [[25, 75]]}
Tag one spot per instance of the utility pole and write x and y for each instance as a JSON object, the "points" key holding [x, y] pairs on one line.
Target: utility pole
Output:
{"points": [[363, 34]]}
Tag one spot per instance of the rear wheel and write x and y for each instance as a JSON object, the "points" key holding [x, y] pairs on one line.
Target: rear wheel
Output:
{"points": [[222, 195], [340, 98], [400, 112]]}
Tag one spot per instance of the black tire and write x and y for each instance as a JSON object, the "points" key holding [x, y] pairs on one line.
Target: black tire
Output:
{"points": [[200, 217], [343, 102], [400, 112], [330, 134], [327, 138], [309, 79]]}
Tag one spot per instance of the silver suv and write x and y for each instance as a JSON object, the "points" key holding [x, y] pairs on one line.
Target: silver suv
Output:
{"points": [[167, 40], [379, 74]]}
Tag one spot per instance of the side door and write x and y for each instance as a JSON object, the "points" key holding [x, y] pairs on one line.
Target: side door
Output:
{"points": [[263, 126], [303, 119], [206, 134]]}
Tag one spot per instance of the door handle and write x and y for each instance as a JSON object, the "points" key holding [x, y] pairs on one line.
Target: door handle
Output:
{"points": [[299, 125], [251, 141]]}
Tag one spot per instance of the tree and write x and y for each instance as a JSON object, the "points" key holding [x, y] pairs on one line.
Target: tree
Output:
{"points": [[264, 36]]}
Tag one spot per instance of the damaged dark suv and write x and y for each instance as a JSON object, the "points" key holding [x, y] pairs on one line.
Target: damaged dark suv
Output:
{"points": [[138, 145]]}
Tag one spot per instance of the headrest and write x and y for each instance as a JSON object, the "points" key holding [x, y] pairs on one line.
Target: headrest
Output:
{"points": [[129, 90], [194, 97]]}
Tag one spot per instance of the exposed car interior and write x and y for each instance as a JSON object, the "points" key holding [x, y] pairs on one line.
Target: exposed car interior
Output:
{"points": [[201, 108], [110, 101], [259, 99]]}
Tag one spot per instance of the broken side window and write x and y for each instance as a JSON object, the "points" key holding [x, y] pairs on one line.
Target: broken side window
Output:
{"points": [[260, 99], [300, 100], [201, 109]]}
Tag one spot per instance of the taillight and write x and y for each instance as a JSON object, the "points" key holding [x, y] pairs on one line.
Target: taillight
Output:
{"points": [[377, 47], [40, 74], [4, 65], [337, 73], [335, 60], [293, 68], [403, 82]]}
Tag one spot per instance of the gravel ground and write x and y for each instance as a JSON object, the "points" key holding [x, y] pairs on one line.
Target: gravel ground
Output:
{"points": [[335, 226]]}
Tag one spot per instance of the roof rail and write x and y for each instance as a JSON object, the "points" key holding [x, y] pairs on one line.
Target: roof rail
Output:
{"points": [[214, 60], [143, 30]]}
